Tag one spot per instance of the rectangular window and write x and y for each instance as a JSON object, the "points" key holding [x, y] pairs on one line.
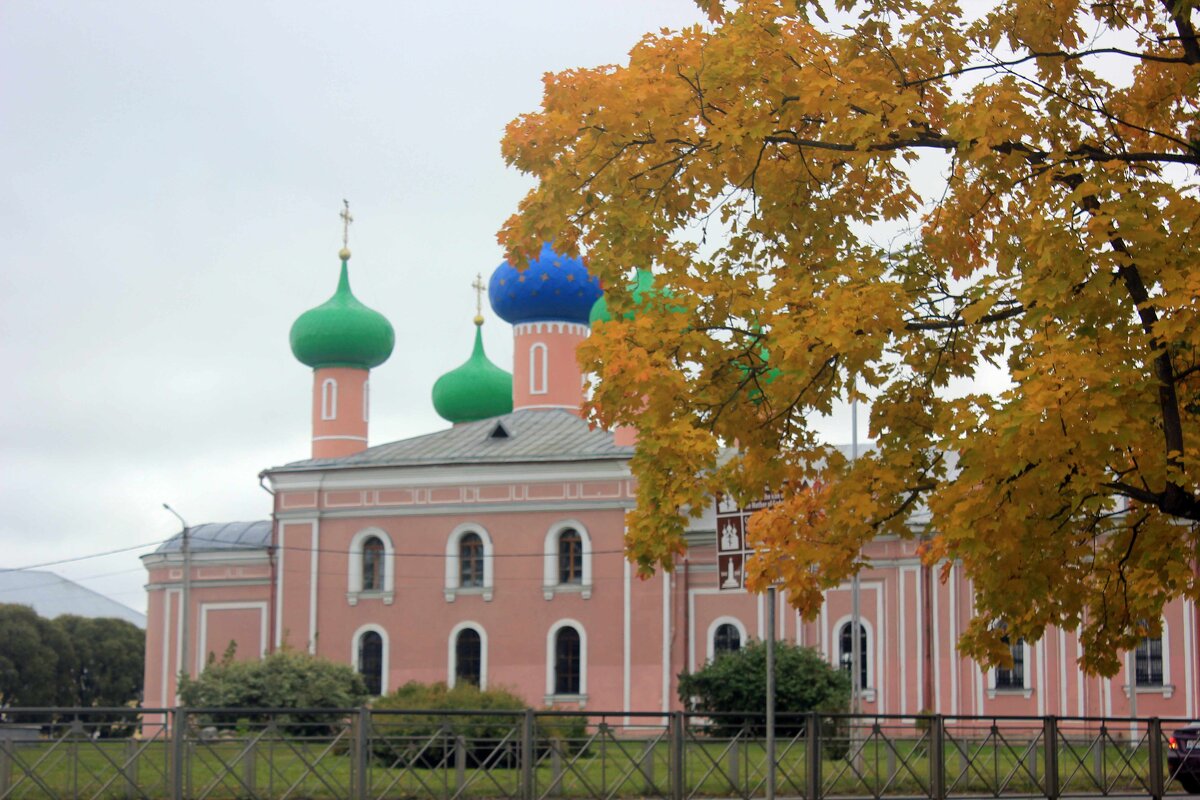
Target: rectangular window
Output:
{"points": [[1148, 660], [1013, 677]]}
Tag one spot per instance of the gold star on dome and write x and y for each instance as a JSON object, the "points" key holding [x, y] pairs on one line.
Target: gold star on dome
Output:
{"points": [[570, 277], [521, 278], [545, 276]]}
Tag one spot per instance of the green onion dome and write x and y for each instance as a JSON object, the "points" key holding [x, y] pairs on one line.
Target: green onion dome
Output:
{"points": [[342, 332], [476, 390], [643, 293]]}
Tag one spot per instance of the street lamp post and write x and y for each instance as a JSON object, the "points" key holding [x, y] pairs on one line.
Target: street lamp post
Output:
{"points": [[855, 593], [184, 600]]}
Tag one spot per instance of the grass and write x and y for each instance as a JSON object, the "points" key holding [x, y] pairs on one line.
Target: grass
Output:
{"points": [[225, 769]]}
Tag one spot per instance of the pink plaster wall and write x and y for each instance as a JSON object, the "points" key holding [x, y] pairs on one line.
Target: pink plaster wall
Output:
{"points": [[346, 433], [672, 614], [563, 383]]}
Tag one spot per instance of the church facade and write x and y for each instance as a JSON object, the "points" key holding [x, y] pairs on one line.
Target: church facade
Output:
{"points": [[492, 552]]}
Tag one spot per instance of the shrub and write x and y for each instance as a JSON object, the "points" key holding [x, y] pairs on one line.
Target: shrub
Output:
{"points": [[429, 739], [733, 688], [285, 679]]}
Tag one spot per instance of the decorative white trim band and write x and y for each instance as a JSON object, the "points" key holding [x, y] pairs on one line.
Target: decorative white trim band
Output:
{"points": [[550, 327]]}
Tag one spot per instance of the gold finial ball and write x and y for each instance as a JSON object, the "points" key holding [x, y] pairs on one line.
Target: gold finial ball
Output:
{"points": [[344, 254], [479, 319]]}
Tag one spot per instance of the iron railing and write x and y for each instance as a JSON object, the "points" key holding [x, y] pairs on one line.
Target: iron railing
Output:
{"points": [[363, 754]]}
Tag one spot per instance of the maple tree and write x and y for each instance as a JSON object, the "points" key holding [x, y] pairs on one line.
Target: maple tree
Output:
{"points": [[1029, 172]]}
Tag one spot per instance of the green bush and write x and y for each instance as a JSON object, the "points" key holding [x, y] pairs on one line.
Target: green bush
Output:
{"points": [[285, 679], [733, 688], [429, 739]]}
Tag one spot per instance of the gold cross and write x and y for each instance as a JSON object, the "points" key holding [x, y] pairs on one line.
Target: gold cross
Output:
{"points": [[346, 220], [478, 286]]}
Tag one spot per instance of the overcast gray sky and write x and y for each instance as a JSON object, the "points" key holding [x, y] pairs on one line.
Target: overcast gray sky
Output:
{"points": [[172, 177]]}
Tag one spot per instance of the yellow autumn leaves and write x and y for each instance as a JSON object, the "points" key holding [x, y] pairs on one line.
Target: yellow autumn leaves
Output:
{"points": [[766, 168]]}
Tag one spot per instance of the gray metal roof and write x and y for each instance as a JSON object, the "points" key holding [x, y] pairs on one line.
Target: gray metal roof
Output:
{"points": [[222, 536], [52, 596], [528, 435]]}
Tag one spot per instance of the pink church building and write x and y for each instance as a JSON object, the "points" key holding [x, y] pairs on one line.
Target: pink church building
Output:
{"points": [[492, 551]]}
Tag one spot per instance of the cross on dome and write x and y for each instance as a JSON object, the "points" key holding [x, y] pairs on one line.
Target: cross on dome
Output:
{"points": [[479, 290], [346, 220]]}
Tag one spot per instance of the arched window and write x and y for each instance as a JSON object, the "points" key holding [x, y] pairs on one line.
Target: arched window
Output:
{"points": [[1012, 677], [371, 567], [373, 555], [568, 560], [366, 400], [370, 661], [539, 368], [469, 568], [329, 392], [468, 657], [846, 651], [568, 667], [726, 639], [570, 556], [1148, 662], [470, 561]]}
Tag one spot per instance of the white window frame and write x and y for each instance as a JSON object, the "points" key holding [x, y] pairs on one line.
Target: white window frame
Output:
{"points": [[872, 680], [712, 633], [385, 662], [329, 399], [354, 581], [551, 660], [453, 573], [550, 582], [535, 373], [452, 653], [1167, 689], [1026, 688], [366, 400]]}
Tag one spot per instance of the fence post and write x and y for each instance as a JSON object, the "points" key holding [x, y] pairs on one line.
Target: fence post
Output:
{"points": [[178, 748], [937, 757], [733, 763], [250, 766], [362, 754], [460, 763], [527, 788], [1050, 755], [675, 775], [1155, 758], [6, 760], [812, 754], [130, 770]]}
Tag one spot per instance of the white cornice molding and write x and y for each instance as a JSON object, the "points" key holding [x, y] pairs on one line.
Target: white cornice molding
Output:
{"points": [[203, 583], [460, 509], [238, 556], [399, 477]]}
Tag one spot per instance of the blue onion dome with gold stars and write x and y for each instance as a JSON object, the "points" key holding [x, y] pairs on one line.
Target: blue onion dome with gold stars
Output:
{"points": [[553, 288], [477, 389], [342, 332]]}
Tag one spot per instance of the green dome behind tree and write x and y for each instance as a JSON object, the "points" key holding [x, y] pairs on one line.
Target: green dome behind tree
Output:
{"points": [[476, 390], [342, 332], [642, 292]]}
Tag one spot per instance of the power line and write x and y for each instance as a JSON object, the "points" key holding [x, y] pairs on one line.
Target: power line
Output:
{"points": [[73, 559]]}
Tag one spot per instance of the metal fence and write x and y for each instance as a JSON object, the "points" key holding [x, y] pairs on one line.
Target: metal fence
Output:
{"points": [[363, 754]]}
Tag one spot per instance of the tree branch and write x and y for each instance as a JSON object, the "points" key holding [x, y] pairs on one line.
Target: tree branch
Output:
{"points": [[942, 325], [1065, 55]]}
